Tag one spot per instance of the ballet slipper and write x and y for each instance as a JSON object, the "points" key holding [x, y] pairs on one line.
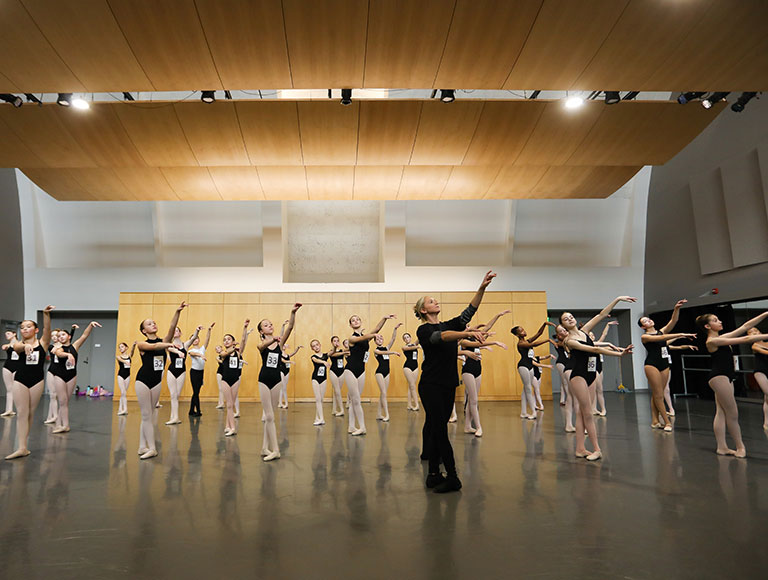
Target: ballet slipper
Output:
{"points": [[122, 413], [18, 453], [479, 432], [237, 415], [570, 429], [149, 454], [596, 413], [350, 430], [668, 428], [581, 454], [379, 418], [8, 414], [49, 421], [318, 422], [61, 430], [143, 450], [671, 413], [339, 414], [159, 404], [453, 419], [656, 426], [595, 456], [539, 408], [171, 422], [469, 430], [230, 433], [765, 427], [272, 456], [740, 453], [726, 451], [562, 404], [359, 432], [531, 417], [219, 406], [602, 413], [385, 419]]}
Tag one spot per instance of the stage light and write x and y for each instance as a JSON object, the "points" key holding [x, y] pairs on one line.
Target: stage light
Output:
{"points": [[630, 96], [574, 102], [227, 95], [612, 97], [12, 99], [447, 95], [208, 96], [346, 97], [713, 98], [128, 97], [742, 101], [64, 99], [534, 94], [688, 97], [81, 104], [33, 99]]}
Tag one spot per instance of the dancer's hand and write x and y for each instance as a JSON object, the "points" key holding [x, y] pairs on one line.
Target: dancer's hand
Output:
{"points": [[49, 308], [96, 324], [681, 303], [627, 299], [627, 350], [181, 307], [296, 307], [487, 279]]}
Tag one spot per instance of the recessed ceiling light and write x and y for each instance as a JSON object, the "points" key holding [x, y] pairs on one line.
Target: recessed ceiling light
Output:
{"points": [[81, 104], [574, 102]]}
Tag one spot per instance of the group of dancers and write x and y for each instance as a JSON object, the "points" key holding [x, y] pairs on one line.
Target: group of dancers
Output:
{"points": [[578, 359]]}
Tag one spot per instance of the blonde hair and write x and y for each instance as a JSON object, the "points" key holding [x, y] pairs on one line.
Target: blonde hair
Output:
{"points": [[417, 308]]}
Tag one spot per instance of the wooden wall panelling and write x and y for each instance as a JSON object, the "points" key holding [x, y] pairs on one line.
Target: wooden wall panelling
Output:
{"points": [[205, 298], [247, 41], [287, 298], [157, 134], [86, 36], [423, 182], [242, 298], [147, 183], [237, 182], [529, 297], [562, 41], [174, 298], [515, 181], [377, 182], [158, 32], [283, 182], [313, 297], [271, 132], [325, 182], [497, 382], [487, 27], [213, 132], [326, 42], [397, 390], [469, 182], [328, 132], [502, 131], [405, 42], [445, 132], [136, 298], [191, 183], [387, 132], [58, 183]]}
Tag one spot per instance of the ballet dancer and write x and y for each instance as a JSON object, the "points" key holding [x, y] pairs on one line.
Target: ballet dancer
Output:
{"points": [[564, 366], [723, 373], [53, 403], [354, 373], [9, 368], [439, 379], [525, 347], [197, 372], [667, 392], [596, 397], [760, 350], [269, 377], [231, 371], [657, 362], [411, 370], [584, 353], [285, 371], [336, 356], [124, 375], [536, 381], [345, 345], [382, 354], [219, 370], [28, 380], [320, 364], [177, 370], [149, 379]]}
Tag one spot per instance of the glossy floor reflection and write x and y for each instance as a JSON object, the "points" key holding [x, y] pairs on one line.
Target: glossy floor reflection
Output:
{"points": [[84, 506]]}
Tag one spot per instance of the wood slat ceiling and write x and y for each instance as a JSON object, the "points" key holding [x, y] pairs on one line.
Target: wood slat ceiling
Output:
{"points": [[311, 150], [180, 45]]}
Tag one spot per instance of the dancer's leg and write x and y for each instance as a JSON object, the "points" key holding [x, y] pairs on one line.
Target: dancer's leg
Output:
{"points": [[8, 382], [411, 378], [762, 382], [536, 384], [599, 395], [472, 418], [584, 420], [527, 406], [383, 383], [668, 396], [53, 403], [338, 402], [62, 394], [26, 401], [319, 390], [726, 416], [147, 400]]}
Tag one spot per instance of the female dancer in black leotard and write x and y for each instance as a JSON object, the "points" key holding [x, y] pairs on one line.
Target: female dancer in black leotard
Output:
{"points": [[320, 366], [564, 367], [197, 372], [28, 380], [9, 368], [269, 378], [285, 371], [537, 366], [382, 354], [584, 372], [411, 370], [760, 351], [525, 347], [149, 379], [596, 397], [64, 370], [177, 371], [336, 356], [124, 375], [354, 373], [722, 375], [231, 371], [657, 362], [439, 379]]}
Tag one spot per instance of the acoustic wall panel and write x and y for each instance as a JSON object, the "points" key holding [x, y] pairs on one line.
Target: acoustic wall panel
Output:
{"points": [[709, 214]]}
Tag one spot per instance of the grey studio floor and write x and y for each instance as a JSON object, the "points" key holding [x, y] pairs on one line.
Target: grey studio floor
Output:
{"points": [[335, 506]]}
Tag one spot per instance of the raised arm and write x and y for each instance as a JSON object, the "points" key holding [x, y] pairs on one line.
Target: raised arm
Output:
{"points": [[291, 321], [724, 340], [478, 297], [245, 335], [86, 333], [192, 338], [675, 316], [208, 335], [394, 335], [606, 311], [532, 341], [133, 349], [45, 340], [493, 320], [174, 323], [759, 348], [72, 332], [380, 325], [298, 348], [746, 326], [665, 337], [605, 330], [574, 344]]}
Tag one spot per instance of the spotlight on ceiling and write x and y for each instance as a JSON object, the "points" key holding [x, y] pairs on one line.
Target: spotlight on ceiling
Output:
{"points": [[534, 95], [33, 99], [447, 95], [713, 98], [208, 96], [631, 95], [612, 97], [228, 95], [64, 99], [346, 97], [81, 104], [13, 99], [688, 97], [742, 101], [574, 102], [128, 97]]}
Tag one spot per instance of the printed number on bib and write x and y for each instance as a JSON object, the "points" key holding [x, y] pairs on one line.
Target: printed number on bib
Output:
{"points": [[272, 359], [592, 364], [240, 365], [415, 355], [55, 359], [339, 363], [385, 357], [365, 357], [602, 359], [69, 365], [33, 358], [179, 363], [157, 363], [735, 363], [234, 362], [321, 371], [14, 355], [127, 364], [530, 353], [664, 352]]}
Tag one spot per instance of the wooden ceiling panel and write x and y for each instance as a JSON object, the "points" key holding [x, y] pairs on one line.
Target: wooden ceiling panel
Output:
{"points": [[405, 41], [328, 132], [102, 183], [604, 181], [271, 132], [237, 183], [326, 42], [581, 182], [330, 182], [558, 133], [445, 132], [387, 132], [378, 182], [13, 151], [283, 182], [86, 36], [42, 131], [469, 182], [59, 183], [496, 30], [515, 181], [742, 74], [213, 132], [191, 183], [564, 38], [157, 134], [502, 132], [423, 182], [247, 41], [158, 34], [27, 59], [146, 183]]}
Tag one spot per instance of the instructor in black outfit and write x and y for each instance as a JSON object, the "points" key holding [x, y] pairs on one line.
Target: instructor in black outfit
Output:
{"points": [[439, 379]]}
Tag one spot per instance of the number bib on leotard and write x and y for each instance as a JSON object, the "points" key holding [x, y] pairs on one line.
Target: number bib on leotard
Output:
{"points": [[665, 353], [179, 363], [321, 371], [592, 364], [69, 365], [127, 364], [272, 359], [234, 362], [339, 363], [385, 357], [157, 363], [365, 357], [530, 353], [14, 355], [735, 363], [415, 355], [33, 358]]}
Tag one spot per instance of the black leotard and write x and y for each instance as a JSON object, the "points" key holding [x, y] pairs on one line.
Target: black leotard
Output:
{"points": [[152, 365], [411, 359], [526, 357], [220, 368], [125, 367], [61, 367], [178, 362], [320, 371], [761, 363], [269, 374], [537, 370], [722, 363], [383, 360], [284, 367], [561, 355], [472, 366], [337, 365], [31, 367], [358, 356], [658, 355], [233, 368], [584, 363], [12, 360]]}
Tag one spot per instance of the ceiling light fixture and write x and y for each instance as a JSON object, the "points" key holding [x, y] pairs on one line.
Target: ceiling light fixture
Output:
{"points": [[714, 98], [690, 96], [612, 97], [346, 97], [64, 99], [447, 95], [81, 104], [128, 97], [630, 96], [12, 99], [534, 94], [574, 102], [228, 95], [742, 101], [208, 96], [33, 99]]}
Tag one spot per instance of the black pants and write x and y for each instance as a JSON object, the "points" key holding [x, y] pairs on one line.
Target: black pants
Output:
{"points": [[437, 401], [196, 378]]}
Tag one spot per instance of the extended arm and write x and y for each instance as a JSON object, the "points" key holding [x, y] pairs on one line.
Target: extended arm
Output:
{"points": [[174, 323], [606, 311], [478, 297], [192, 338], [245, 335], [675, 316], [664, 337], [723, 340], [291, 321], [394, 335], [493, 320], [746, 326], [86, 333], [208, 335], [576, 345], [45, 340]]}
